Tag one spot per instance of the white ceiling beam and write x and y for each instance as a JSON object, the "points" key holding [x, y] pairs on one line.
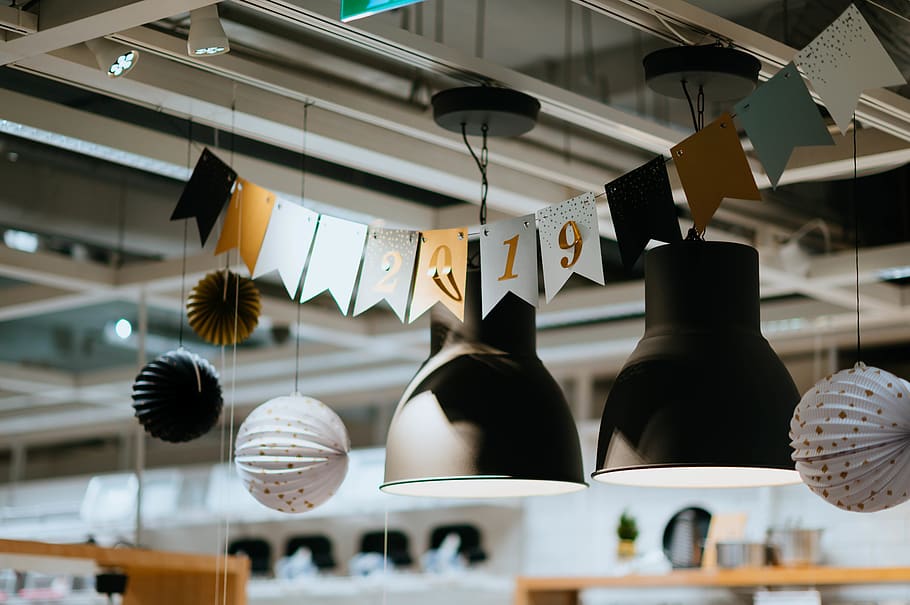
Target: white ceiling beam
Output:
{"points": [[63, 23]]}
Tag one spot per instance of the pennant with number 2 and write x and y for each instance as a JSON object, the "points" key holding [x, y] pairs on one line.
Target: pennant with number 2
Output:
{"points": [[388, 265], [569, 243], [439, 276]]}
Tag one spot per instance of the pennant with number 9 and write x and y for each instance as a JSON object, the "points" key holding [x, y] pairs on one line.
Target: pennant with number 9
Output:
{"points": [[508, 261], [388, 265], [569, 243], [442, 264]]}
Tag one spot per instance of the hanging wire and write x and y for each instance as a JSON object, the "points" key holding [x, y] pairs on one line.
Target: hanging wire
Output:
{"points": [[859, 348], [700, 106], [691, 105], [303, 171], [181, 317], [481, 162], [888, 10], [670, 28]]}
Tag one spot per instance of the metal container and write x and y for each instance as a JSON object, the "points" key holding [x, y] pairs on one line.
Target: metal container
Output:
{"points": [[796, 547], [742, 554]]}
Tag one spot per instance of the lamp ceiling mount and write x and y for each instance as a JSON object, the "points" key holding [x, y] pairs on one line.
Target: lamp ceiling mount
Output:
{"points": [[723, 73], [504, 112]]}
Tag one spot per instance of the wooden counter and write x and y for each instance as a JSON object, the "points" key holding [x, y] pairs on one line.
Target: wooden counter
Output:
{"points": [[564, 590], [154, 576]]}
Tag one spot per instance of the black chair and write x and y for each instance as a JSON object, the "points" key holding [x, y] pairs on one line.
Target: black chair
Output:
{"points": [[399, 553], [257, 550], [470, 547], [320, 547]]}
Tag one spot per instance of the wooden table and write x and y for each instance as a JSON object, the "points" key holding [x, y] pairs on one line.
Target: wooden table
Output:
{"points": [[156, 577], [564, 590]]}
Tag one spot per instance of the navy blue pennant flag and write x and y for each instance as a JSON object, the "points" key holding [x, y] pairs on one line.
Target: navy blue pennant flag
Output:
{"points": [[642, 208], [206, 193]]}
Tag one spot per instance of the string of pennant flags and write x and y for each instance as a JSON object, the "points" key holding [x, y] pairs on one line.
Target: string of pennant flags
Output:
{"points": [[413, 270]]}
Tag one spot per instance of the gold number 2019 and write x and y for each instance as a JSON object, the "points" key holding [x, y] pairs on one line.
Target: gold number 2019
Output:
{"points": [[575, 244]]}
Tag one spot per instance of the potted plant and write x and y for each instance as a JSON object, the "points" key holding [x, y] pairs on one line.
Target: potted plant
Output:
{"points": [[627, 531]]}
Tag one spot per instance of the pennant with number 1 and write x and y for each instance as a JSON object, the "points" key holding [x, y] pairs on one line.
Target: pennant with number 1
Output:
{"points": [[286, 245], [569, 243], [388, 265], [439, 276], [508, 261], [335, 260]]}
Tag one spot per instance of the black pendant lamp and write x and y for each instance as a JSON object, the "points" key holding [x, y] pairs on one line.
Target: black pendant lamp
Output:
{"points": [[483, 418], [703, 401]]}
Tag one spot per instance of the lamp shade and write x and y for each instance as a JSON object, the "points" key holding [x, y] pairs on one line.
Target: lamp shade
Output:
{"points": [[703, 401], [206, 35], [483, 418]]}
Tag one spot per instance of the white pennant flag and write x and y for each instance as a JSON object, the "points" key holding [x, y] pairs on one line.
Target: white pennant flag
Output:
{"points": [[334, 260], [508, 261], [286, 244], [388, 265], [843, 61], [569, 243]]}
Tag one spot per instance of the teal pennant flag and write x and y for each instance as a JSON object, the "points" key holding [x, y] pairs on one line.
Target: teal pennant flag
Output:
{"points": [[780, 116]]}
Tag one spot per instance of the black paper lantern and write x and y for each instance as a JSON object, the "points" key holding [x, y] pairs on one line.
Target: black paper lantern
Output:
{"points": [[177, 397], [224, 308]]}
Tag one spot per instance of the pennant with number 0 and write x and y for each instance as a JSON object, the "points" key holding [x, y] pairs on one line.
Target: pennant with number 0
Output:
{"points": [[508, 261], [388, 265], [439, 276], [569, 243], [286, 245], [246, 221], [335, 260]]}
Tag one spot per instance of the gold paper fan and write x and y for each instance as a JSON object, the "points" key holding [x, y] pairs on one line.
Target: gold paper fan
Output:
{"points": [[212, 313]]}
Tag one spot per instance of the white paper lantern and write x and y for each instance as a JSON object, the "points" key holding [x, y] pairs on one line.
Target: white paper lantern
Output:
{"points": [[850, 435], [292, 453]]}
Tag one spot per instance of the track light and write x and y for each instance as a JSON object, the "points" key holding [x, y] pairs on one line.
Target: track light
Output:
{"points": [[207, 36], [114, 59]]}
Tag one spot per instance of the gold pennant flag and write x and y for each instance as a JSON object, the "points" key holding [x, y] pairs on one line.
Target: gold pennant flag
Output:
{"points": [[246, 220], [442, 263], [712, 165]]}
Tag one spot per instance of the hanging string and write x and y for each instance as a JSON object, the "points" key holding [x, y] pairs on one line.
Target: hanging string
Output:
{"points": [[859, 348], [481, 162], [303, 170], [691, 105], [181, 318]]}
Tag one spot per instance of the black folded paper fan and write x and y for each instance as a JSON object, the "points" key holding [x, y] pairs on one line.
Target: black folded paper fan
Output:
{"points": [[177, 397], [224, 308]]}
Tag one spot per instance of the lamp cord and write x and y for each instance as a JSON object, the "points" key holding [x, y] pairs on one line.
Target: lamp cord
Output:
{"points": [[859, 348], [481, 162]]}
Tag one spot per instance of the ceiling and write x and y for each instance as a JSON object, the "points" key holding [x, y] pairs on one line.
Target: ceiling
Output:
{"points": [[93, 167]]}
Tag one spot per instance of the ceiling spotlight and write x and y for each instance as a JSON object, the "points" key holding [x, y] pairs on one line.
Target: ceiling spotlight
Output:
{"points": [[207, 36], [123, 328], [114, 59]]}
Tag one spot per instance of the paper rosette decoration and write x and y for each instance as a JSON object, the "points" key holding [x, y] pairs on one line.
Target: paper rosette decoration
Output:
{"points": [[292, 453], [177, 397], [213, 314], [850, 435]]}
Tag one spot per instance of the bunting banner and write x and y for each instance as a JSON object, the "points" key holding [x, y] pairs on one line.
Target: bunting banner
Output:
{"points": [[388, 266], [334, 261], [206, 193], [712, 166], [843, 61], [286, 245], [441, 269], [569, 243], [779, 116], [508, 261], [642, 209], [246, 221]]}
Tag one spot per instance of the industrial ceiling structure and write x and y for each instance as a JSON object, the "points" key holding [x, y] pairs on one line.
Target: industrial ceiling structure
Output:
{"points": [[91, 167]]}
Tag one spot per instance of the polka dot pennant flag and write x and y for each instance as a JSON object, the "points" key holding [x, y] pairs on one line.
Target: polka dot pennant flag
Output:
{"points": [[388, 264], [712, 166], [780, 116], [850, 436], [569, 243], [642, 209], [843, 61]]}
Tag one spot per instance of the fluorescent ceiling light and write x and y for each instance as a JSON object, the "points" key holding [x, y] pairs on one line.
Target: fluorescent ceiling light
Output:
{"points": [[20, 240]]}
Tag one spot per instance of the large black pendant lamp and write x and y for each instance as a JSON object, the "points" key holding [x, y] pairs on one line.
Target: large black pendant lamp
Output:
{"points": [[483, 418], [703, 401]]}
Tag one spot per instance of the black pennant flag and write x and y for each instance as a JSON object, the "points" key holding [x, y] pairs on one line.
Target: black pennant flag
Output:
{"points": [[206, 193], [642, 208]]}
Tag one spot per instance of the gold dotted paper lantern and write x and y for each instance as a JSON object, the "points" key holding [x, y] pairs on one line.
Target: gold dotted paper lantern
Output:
{"points": [[850, 436], [224, 308], [292, 453]]}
